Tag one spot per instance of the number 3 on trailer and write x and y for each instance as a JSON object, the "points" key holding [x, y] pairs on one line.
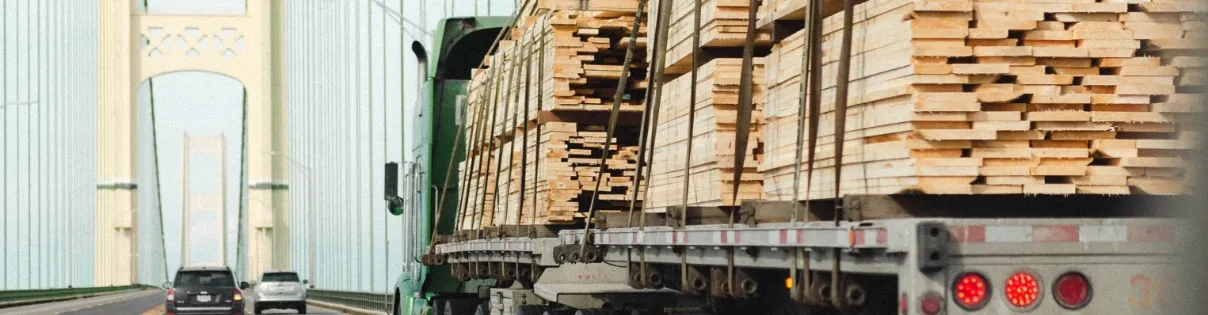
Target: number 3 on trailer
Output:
{"points": [[1148, 292]]}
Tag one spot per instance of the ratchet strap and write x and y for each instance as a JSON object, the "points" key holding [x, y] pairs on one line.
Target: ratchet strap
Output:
{"points": [[537, 144], [488, 130], [528, 84], [622, 83], [537, 152], [745, 98], [512, 91], [840, 127], [511, 61], [810, 106], [462, 205], [696, 17], [473, 152], [650, 123]]}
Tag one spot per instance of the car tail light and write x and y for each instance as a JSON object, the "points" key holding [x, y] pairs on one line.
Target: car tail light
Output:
{"points": [[931, 303], [971, 291], [172, 295], [1072, 290], [1022, 289], [238, 295]]}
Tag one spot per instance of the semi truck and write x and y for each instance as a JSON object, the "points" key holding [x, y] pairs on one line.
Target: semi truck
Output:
{"points": [[875, 254]]}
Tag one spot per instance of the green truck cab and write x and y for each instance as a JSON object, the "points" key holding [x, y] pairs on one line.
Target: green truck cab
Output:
{"points": [[459, 45]]}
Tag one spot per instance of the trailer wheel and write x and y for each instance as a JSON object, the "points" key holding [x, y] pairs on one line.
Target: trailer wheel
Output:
{"points": [[591, 311], [530, 310], [460, 306], [483, 308], [438, 307]]}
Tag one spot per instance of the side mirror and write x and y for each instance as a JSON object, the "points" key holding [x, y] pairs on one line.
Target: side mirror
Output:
{"points": [[244, 285], [166, 285], [305, 282], [394, 204], [391, 184]]}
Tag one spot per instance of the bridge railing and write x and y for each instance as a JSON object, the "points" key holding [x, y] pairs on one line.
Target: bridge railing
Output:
{"points": [[372, 301], [26, 297]]}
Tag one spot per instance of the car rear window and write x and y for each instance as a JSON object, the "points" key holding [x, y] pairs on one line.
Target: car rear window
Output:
{"points": [[280, 277], [204, 279]]}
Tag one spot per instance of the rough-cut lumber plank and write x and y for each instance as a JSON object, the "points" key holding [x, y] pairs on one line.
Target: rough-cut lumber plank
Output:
{"points": [[1033, 89]]}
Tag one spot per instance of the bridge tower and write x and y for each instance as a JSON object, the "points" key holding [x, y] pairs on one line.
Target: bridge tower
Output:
{"points": [[202, 203], [134, 47]]}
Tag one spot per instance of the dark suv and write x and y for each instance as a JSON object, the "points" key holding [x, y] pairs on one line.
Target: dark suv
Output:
{"points": [[204, 290]]}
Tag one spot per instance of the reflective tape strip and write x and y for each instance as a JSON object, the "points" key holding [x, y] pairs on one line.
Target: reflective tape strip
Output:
{"points": [[1063, 233], [826, 237], [1150, 233]]}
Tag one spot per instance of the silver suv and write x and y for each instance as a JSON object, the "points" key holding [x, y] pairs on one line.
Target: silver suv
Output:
{"points": [[280, 290]]}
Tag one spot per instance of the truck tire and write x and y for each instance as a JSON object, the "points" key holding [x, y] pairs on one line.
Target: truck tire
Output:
{"points": [[591, 311], [460, 306], [530, 310], [483, 308]]}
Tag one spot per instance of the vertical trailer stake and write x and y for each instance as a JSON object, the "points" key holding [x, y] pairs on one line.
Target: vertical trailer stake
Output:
{"points": [[483, 271], [506, 273]]}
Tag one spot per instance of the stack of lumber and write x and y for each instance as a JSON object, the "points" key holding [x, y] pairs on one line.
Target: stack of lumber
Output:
{"points": [[998, 97], [561, 64], [562, 174], [584, 53], [711, 168], [723, 31], [481, 190]]}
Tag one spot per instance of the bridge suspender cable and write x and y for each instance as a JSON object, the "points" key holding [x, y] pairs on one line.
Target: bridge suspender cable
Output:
{"points": [[159, 202], [239, 261]]}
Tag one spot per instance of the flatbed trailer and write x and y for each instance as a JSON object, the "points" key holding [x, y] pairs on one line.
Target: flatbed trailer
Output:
{"points": [[886, 266], [874, 254]]}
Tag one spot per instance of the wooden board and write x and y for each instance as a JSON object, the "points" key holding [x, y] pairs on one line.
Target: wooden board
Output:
{"points": [[711, 168], [951, 97]]}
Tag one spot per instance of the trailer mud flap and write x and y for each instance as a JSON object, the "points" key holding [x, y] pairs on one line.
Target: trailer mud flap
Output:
{"points": [[932, 246]]}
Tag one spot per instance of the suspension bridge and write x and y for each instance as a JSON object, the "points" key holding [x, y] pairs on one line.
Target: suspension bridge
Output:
{"points": [[142, 136]]}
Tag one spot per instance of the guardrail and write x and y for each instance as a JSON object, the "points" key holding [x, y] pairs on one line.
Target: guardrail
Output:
{"points": [[373, 301], [26, 297]]}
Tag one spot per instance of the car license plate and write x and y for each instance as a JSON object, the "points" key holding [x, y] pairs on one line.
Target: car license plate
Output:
{"points": [[203, 298]]}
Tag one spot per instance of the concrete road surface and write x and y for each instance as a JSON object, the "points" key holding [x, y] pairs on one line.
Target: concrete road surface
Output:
{"points": [[145, 302]]}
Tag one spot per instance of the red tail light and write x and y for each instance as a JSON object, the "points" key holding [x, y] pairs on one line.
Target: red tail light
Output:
{"points": [[931, 303], [1022, 289], [172, 295], [971, 291], [1072, 290], [238, 296]]}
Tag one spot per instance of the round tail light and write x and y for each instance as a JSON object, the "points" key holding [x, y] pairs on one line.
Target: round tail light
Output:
{"points": [[1072, 290], [1022, 289], [971, 291], [931, 303]]}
